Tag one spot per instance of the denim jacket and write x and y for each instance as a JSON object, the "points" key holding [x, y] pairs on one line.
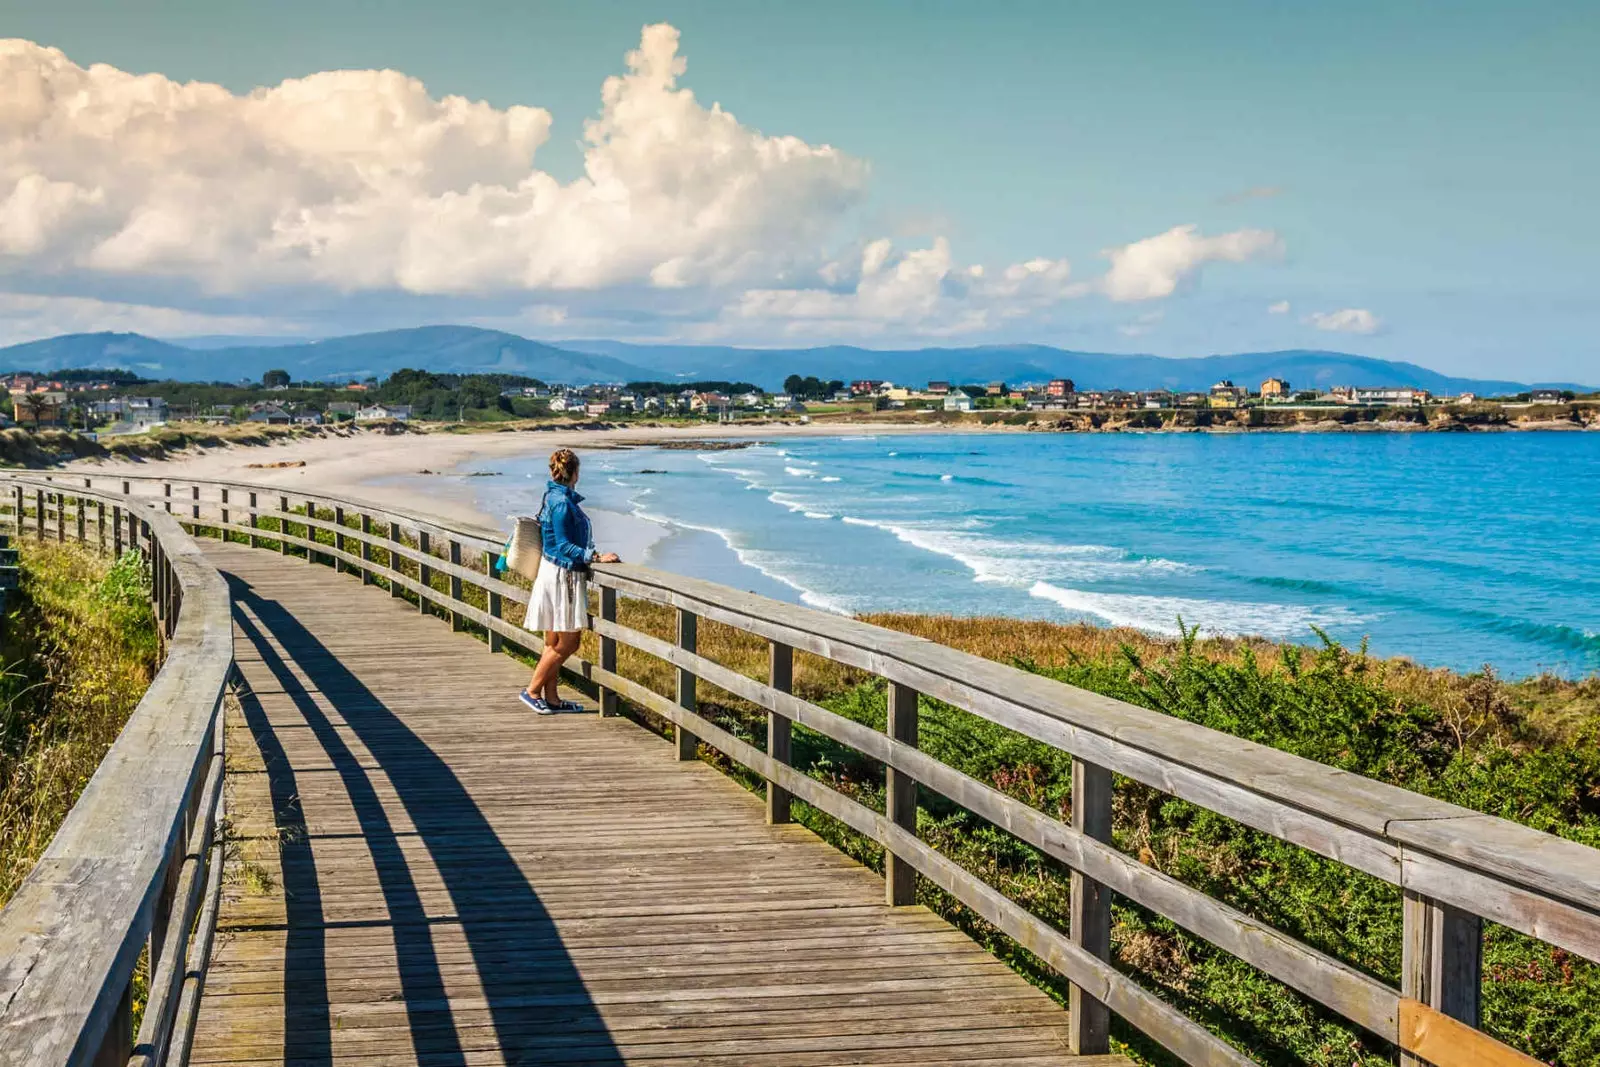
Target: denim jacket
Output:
{"points": [[564, 528]]}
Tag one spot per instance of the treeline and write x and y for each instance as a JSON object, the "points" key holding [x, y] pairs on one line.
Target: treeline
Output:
{"points": [[445, 396], [674, 388], [810, 387]]}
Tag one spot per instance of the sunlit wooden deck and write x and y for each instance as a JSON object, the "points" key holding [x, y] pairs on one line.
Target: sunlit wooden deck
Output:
{"points": [[426, 873]]}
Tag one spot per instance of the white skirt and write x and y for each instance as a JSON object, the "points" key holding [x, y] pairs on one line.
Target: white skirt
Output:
{"points": [[559, 600]]}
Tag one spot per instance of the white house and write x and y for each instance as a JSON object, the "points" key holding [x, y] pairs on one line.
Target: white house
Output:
{"points": [[957, 401], [379, 412]]}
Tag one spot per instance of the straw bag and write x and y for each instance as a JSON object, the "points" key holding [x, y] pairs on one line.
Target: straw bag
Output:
{"points": [[526, 548]]}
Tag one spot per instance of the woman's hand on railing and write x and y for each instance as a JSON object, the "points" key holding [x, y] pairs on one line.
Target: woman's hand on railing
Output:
{"points": [[608, 557]]}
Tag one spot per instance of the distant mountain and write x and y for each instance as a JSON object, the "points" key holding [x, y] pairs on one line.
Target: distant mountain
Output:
{"points": [[446, 349], [1037, 363], [467, 349]]}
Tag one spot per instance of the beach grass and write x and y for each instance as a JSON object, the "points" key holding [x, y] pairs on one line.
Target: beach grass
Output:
{"points": [[1524, 750]]}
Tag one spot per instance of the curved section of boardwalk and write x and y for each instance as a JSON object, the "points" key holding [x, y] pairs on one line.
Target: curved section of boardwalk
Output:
{"points": [[426, 873]]}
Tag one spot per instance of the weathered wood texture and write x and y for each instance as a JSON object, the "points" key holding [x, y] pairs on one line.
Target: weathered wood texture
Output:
{"points": [[427, 873], [71, 935]]}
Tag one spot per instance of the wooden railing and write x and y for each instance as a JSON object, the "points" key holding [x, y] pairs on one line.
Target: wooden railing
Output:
{"points": [[137, 864], [1454, 867]]}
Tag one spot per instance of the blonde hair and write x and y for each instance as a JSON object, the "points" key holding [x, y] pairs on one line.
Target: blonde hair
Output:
{"points": [[564, 465]]}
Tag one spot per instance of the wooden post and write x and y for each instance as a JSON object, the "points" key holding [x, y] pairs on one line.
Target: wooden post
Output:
{"points": [[166, 491], [81, 509], [1441, 960], [127, 487], [608, 648], [194, 496], [395, 589], [424, 572], [311, 531], [100, 522], [688, 744], [38, 512], [900, 797], [255, 542], [117, 1046], [1089, 1020], [283, 525], [338, 539], [457, 621], [223, 534], [16, 510], [366, 548], [61, 518], [116, 528], [780, 675], [495, 640]]}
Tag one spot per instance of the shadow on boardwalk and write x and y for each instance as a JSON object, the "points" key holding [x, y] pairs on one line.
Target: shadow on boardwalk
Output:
{"points": [[536, 1000]]}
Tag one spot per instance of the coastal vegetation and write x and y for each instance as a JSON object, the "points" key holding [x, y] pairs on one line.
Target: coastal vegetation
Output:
{"points": [[79, 648], [1526, 750]]}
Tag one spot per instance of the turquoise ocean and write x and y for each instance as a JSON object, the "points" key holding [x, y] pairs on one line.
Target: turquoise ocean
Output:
{"points": [[1455, 550]]}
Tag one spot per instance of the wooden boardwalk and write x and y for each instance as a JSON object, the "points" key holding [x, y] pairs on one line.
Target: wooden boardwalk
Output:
{"points": [[426, 873]]}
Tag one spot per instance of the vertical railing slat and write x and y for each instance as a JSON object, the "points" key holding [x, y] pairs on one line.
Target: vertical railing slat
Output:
{"points": [[900, 797], [686, 746], [780, 675], [1089, 918]]}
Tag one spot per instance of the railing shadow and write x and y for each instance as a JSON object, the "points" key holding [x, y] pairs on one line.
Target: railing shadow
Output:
{"points": [[536, 1000]]}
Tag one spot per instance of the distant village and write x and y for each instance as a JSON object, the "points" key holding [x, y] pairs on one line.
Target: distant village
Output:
{"points": [[112, 407]]}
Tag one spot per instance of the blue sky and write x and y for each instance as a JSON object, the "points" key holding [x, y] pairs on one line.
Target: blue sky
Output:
{"points": [[1424, 173]]}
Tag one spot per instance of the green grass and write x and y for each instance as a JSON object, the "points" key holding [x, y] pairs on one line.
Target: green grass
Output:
{"points": [[79, 648]]}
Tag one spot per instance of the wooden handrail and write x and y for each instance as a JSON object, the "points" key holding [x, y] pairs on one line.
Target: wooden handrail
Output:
{"points": [[123, 869], [1455, 867]]}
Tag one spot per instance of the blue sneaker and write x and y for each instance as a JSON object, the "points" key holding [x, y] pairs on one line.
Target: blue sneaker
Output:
{"points": [[537, 704]]}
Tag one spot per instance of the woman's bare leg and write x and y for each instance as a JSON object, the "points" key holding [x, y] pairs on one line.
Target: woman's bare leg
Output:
{"points": [[558, 647], [566, 644], [550, 661]]}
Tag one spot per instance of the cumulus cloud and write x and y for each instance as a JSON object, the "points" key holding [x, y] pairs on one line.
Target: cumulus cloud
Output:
{"points": [[362, 188], [1280, 308], [1345, 320], [919, 290], [363, 180], [1154, 267]]}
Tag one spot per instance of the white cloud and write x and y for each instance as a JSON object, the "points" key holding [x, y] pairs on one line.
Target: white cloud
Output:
{"points": [[1345, 320], [918, 291], [1154, 267], [363, 180], [1280, 308], [159, 204]]}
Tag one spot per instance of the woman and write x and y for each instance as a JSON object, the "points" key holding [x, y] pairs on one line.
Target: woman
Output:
{"points": [[559, 603]]}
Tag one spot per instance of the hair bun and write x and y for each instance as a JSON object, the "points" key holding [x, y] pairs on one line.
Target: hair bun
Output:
{"points": [[564, 465]]}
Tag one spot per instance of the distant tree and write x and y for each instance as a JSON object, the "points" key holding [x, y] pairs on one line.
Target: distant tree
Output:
{"points": [[794, 385], [275, 378]]}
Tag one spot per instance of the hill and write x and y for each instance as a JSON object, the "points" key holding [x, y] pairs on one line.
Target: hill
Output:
{"points": [[467, 349], [444, 349], [1035, 363]]}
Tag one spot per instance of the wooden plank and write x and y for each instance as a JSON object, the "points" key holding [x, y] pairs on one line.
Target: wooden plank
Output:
{"points": [[1434, 1037], [1090, 908], [685, 745], [72, 933], [900, 797], [780, 678]]}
